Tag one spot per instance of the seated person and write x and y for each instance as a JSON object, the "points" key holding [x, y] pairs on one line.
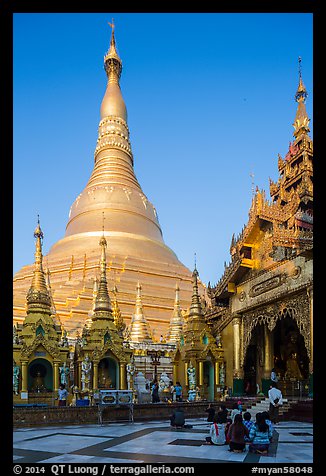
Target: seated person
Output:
{"points": [[248, 422], [224, 413], [260, 435], [227, 427], [235, 411], [211, 413], [268, 420], [237, 433], [178, 418], [216, 432]]}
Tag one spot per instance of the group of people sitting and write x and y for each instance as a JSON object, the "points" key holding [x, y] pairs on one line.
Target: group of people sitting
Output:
{"points": [[233, 429], [237, 430]]}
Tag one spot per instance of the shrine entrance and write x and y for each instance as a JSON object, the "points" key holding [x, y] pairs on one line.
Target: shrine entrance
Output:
{"points": [[40, 376], [289, 358], [253, 363], [108, 373], [208, 386]]}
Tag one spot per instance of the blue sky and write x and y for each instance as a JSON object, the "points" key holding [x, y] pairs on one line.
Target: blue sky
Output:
{"points": [[210, 100]]}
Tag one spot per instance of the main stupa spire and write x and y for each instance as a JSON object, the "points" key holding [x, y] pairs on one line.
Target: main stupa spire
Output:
{"points": [[113, 186]]}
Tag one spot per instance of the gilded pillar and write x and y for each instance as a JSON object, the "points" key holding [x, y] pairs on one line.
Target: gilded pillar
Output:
{"points": [[79, 373], [186, 373], [268, 359], [237, 371], [56, 376], [122, 373], [310, 292], [95, 376], [175, 373], [201, 372], [217, 373], [24, 364]]}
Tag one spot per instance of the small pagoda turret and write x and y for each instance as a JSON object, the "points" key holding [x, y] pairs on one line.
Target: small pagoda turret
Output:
{"points": [[139, 330], [101, 357], [197, 353], [39, 352], [177, 321]]}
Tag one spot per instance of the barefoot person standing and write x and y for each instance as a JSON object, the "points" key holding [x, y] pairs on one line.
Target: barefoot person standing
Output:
{"points": [[275, 401]]}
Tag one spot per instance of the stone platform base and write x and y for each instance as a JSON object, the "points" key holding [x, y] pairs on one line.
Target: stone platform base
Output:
{"points": [[33, 416]]}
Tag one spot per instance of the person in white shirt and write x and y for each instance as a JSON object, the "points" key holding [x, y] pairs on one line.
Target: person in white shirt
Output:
{"points": [[275, 401], [216, 431], [62, 395]]}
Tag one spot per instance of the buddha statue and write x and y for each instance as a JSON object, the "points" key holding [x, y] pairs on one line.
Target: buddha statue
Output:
{"points": [[38, 383], [292, 367]]}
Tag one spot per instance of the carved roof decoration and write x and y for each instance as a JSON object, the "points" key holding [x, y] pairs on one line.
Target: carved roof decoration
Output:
{"points": [[283, 223], [198, 340]]}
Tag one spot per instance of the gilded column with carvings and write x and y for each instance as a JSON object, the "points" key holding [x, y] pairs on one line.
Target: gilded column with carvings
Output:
{"points": [[201, 373], [216, 378], [237, 370], [186, 374], [24, 388], [175, 373], [268, 359], [122, 372], [310, 291], [56, 376], [95, 376]]}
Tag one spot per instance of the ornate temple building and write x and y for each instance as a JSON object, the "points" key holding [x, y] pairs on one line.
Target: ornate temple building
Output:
{"points": [[262, 307], [198, 350], [136, 249], [39, 352]]}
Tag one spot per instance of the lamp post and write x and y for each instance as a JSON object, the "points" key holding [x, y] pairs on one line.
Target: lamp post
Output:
{"points": [[155, 356]]}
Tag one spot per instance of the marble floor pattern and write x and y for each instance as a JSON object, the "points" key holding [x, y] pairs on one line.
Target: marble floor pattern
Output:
{"points": [[152, 442]]}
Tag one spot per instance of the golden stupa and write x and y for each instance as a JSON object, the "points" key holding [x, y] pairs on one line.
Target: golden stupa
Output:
{"points": [[136, 249]]}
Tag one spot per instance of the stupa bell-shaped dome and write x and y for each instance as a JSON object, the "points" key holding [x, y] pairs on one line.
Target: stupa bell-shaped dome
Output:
{"points": [[135, 245]]}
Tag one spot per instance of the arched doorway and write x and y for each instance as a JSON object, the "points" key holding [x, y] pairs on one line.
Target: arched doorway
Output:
{"points": [[208, 386], [254, 361], [40, 376], [291, 360], [289, 357], [108, 373]]}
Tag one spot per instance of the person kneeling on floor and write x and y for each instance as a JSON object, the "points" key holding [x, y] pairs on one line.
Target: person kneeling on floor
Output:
{"points": [[260, 435], [236, 435], [178, 418], [216, 431]]}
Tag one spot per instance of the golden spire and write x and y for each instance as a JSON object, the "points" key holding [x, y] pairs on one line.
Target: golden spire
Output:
{"points": [[117, 316], [177, 321], [102, 300], [301, 122], [112, 53], [139, 330], [113, 103], [195, 307], [113, 185], [38, 297]]}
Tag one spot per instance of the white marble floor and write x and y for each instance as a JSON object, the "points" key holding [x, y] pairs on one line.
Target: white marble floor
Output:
{"points": [[152, 441]]}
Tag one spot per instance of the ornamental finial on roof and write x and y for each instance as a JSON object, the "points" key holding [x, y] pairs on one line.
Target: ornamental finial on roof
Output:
{"points": [[112, 25]]}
